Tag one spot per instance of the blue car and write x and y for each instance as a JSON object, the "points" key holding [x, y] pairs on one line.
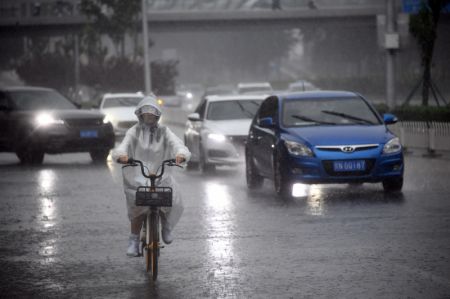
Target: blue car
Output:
{"points": [[321, 137]]}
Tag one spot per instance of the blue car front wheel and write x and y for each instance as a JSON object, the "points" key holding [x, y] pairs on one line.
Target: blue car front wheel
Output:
{"points": [[254, 181], [282, 185]]}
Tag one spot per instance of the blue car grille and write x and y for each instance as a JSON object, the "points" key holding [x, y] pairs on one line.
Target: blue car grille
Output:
{"points": [[328, 165], [347, 148]]}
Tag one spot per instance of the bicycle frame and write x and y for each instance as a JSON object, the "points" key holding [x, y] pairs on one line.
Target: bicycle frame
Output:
{"points": [[154, 197]]}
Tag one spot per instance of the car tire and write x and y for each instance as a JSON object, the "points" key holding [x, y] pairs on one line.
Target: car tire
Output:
{"points": [[99, 156], [203, 165], [254, 181], [282, 186], [393, 184], [30, 156]]}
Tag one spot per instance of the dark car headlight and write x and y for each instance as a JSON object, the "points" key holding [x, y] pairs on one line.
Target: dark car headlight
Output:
{"points": [[46, 119], [298, 149], [392, 146]]}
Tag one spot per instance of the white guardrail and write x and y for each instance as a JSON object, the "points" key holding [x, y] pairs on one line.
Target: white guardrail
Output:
{"points": [[432, 136]]}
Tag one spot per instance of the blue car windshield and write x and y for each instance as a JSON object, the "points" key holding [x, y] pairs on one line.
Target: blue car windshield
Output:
{"points": [[39, 99], [236, 109], [328, 111]]}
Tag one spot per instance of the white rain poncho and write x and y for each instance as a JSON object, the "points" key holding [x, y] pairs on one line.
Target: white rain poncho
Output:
{"points": [[151, 145]]}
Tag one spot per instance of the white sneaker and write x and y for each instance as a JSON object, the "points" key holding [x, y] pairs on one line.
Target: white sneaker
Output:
{"points": [[166, 236], [133, 245]]}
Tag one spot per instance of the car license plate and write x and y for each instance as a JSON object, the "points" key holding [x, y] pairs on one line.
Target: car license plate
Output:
{"points": [[349, 165], [88, 134]]}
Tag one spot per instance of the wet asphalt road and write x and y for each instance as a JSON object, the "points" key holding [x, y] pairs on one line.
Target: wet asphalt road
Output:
{"points": [[63, 234]]}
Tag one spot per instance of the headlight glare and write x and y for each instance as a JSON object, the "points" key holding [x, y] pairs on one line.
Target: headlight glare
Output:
{"points": [[298, 149], [217, 137], [107, 119], [46, 119], [392, 146]]}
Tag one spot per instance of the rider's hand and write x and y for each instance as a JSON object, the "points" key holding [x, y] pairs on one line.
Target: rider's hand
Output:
{"points": [[123, 159], [180, 159]]}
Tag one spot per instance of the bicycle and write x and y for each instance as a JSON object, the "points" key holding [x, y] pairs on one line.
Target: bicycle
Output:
{"points": [[155, 198]]}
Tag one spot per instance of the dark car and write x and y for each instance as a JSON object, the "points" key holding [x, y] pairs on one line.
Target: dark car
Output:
{"points": [[36, 120], [322, 137]]}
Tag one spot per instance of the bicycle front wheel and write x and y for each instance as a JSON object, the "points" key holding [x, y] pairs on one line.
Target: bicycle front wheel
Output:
{"points": [[154, 243], [147, 250]]}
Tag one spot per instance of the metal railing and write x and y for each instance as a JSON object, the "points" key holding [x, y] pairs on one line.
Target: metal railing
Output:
{"points": [[432, 136]]}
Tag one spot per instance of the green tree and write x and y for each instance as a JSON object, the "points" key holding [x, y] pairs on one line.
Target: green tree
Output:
{"points": [[163, 74], [42, 67], [423, 26], [115, 18]]}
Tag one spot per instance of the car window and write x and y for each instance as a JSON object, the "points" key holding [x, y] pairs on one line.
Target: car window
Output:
{"points": [[269, 108], [330, 111], [201, 109], [254, 89], [121, 102], [39, 99], [224, 110]]}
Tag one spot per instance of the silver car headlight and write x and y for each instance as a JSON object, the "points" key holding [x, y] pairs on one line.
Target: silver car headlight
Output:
{"points": [[298, 149], [107, 119], [392, 146], [46, 119], [217, 137]]}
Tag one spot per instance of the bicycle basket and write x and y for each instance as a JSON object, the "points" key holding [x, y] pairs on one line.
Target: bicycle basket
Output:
{"points": [[154, 197]]}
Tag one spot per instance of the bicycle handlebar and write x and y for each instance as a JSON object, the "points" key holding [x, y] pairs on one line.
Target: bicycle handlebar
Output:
{"points": [[169, 162]]}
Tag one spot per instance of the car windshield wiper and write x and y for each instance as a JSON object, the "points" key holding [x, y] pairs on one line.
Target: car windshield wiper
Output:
{"points": [[301, 117], [348, 116], [244, 110]]}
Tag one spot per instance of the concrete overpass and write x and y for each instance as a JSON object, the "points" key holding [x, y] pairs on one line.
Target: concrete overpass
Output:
{"points": [[45, 14]]}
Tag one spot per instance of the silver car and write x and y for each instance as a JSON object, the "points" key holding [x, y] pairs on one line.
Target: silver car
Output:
{"points": [[217, 131], [119, 110]]}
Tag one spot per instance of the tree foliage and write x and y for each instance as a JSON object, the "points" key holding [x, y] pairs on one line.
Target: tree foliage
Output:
{"points": [[114, 18], [163, 74], [423, 26], [45, 68]]}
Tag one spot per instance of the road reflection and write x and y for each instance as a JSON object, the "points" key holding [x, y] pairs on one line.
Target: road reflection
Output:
{"points": [[47, 182], [315, 201], [221, 211]]}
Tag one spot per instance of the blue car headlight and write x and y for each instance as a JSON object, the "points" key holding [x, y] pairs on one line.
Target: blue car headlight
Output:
{"points": [[392, 146], [298, 149]]}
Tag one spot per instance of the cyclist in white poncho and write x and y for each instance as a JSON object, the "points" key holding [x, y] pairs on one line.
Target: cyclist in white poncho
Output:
{"points": [[151, 143]]}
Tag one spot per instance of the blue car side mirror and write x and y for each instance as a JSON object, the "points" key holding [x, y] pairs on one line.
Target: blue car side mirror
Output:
{"points": [[389, 119], [266, 122]]}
